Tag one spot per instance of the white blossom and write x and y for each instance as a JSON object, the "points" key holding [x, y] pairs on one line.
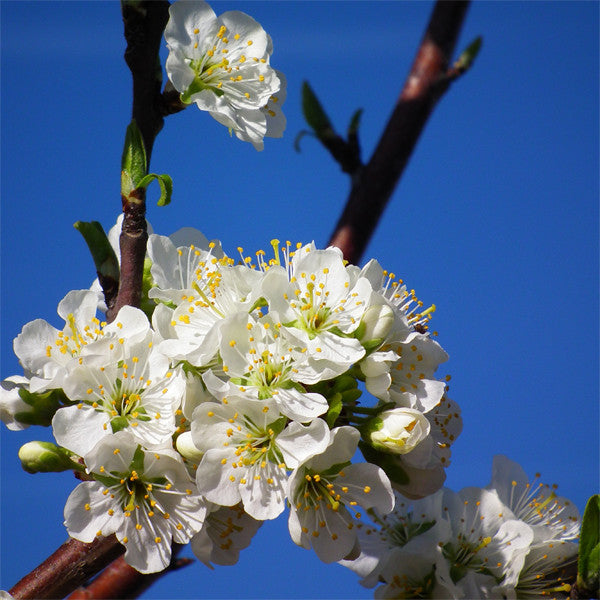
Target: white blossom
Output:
{"points": [[222, 65], [248, 448], [324, 491], [125, 385], [144, 497]]}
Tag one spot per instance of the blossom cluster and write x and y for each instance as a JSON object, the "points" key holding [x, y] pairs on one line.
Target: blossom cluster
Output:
{"points": [[222, 64], [512, 539], [237, 398]]}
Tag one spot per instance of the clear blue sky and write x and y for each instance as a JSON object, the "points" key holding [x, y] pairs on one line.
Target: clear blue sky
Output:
{"points": [[495, 221]]}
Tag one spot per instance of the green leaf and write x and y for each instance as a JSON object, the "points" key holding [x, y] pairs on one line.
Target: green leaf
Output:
{"points": [[588, 568], [465, 60], [105, 259], [313, 112], [354, 123], [335, 408], [133, 160], [166, 186]]}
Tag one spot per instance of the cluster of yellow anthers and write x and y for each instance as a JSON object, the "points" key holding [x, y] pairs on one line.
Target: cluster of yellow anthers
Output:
{"points": [[72, 338]]}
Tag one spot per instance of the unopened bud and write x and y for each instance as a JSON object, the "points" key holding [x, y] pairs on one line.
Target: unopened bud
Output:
{"points": [[397, 431], [186, 447], [375, 325], [45, 457]]}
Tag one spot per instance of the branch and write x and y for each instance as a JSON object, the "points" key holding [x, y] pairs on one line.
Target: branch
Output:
{"points": [[70, 566], [144, 24], [119, 580], [429, 78]]}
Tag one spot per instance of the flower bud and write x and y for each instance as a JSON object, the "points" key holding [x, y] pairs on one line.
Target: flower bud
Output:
{"points": [[186, 447], [397, 431], [45, 457], [375, 325]]}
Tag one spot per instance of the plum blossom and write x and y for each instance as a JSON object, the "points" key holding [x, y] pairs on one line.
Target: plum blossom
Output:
{"points": [[324, 491], [248, 449], [145, 497], [222, 65]]}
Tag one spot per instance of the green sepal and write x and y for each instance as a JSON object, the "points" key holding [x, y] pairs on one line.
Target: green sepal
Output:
{"points": [[372, 345], [137, 462], [43, 404], [278, 426], [390, 463], [335, 408], [106, 480], [166, 186], [588, 566], [465, 60], [334, 469], [198, 86], [46, 457], [314, 114], [103, 255], [134, 164], [119, 423], [260, 303], [351, 396], [147, 304]]}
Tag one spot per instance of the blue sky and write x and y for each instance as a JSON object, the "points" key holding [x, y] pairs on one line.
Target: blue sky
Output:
{"points": [[495, 221]]}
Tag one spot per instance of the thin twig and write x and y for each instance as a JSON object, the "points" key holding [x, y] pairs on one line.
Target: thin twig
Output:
{"points": [[426, 83], [144, 24]]}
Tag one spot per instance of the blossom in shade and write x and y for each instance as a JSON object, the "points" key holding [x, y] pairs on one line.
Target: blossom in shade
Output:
{"points": [[537, 504], [227, 530]]}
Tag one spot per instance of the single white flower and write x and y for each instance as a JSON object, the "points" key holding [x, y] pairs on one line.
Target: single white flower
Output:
{"points": [[46, 353], [314, 299], [408, 379], [214, 289], [248, 448], [538, 505], [227, 530], [416, 527], [144, 497], [261, 362], [486, 545], [325, 488], [126, 385], [182, 262], [222, 65], [410, 575], [548, 566]]}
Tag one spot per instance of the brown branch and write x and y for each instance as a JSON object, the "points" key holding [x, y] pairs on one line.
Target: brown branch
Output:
{"points": [[70, 566], [144, 23], [119, 580], [426, 83]]}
